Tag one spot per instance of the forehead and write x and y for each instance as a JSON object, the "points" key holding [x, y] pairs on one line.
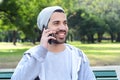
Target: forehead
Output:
{"points": [[58, 16]]}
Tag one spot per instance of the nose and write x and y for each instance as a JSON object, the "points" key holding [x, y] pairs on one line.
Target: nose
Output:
{"points": [[63, 27]]}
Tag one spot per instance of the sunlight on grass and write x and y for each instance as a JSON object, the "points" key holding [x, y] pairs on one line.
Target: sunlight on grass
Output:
{"points": [[104, 60], [104, 51], [98, 54], [18, 46]]}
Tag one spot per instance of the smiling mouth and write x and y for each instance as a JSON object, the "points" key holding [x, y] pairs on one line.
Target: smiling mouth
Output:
{"points": [[61, 33]]}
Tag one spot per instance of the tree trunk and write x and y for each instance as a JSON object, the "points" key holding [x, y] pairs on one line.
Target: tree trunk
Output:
{"points": [[112, 37], [99, 37], [118, 37], [14, 37], [90, 38], [33, 41]]}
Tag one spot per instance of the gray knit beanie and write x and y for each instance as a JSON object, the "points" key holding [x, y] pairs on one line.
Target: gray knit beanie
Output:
{"points": [[45, 15]]}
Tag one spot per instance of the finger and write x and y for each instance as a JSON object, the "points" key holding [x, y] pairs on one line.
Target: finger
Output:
{"points": [[46, 30], [50, 32], [51, 37]]}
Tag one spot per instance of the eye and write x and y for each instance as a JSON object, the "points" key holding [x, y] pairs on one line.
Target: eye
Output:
{"points": [[65, 23], [56, 23]]}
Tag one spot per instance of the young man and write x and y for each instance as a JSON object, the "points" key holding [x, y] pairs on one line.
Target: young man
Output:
{"points": [[53, 59]]}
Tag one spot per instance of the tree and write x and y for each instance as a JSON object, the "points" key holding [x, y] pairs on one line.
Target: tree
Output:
{"points": [[108, 11], [21, 15], [83, 22], [8, 10]]}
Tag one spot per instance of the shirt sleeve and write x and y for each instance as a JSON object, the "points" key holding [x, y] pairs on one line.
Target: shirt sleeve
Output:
{"points": [[30, 65]]}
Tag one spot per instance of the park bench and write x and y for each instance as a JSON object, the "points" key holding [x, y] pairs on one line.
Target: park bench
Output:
{"points": [[99, 74]]}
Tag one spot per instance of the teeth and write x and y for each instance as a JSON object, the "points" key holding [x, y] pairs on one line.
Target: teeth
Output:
{"points": [[61, 34]]}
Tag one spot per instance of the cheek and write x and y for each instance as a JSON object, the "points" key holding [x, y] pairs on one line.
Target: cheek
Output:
{"points": [[52, 27], [67, 28]]}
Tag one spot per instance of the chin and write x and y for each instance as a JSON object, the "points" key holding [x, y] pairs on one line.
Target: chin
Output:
{"points": [[59, 41]]}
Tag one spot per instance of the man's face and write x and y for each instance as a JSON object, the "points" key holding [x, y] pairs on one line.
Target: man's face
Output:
{"points": [[58, 23]]}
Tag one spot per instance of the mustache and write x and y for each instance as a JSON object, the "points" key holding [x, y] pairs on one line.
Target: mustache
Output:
{"points": [[61, 31]]}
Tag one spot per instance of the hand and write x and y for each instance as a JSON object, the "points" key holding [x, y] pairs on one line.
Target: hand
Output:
{"points": [[45, 37]]}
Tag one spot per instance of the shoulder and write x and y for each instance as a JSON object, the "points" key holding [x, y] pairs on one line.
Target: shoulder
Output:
{"points": [[77, 52], [73, 48], [32, 50], [36, 49]]}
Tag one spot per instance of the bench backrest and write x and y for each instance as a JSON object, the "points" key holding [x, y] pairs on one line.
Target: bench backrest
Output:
{"points": [[99, 74]]}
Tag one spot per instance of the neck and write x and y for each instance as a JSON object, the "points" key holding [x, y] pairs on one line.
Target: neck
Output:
{"points": [[56, 47]]}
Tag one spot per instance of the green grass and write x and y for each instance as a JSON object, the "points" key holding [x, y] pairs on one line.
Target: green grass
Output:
{"points": [[10, 55], [99, 54]]}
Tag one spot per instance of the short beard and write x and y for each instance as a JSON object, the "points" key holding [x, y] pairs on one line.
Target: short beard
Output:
{"points": [[57, 42], [51, 41]]}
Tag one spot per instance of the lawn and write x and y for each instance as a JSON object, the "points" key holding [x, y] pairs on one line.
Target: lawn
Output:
{"points": [[102, 53], [99, 54], [10, 54]]}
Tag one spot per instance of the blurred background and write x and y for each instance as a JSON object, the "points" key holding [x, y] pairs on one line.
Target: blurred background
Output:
{"points": [[94, 27]]}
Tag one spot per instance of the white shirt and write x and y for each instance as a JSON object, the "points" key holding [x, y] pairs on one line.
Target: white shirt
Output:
{"points": [[58, 66]]}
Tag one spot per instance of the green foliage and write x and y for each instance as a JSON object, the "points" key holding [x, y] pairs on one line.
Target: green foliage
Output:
{"points": [[85, 17], [21, 15], [102, 16], [8, 10], [86, 24], [22, 35]]}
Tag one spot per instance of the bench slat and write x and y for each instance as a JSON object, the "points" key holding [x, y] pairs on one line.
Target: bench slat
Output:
{"points": [[5, 75], [105, 73]]}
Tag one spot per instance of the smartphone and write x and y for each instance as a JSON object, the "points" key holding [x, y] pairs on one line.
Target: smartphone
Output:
{"points": [[50, 41]]}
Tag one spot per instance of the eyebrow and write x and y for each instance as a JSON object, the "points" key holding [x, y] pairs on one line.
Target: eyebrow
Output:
{"points": [[59, 21], [56, 21]]}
